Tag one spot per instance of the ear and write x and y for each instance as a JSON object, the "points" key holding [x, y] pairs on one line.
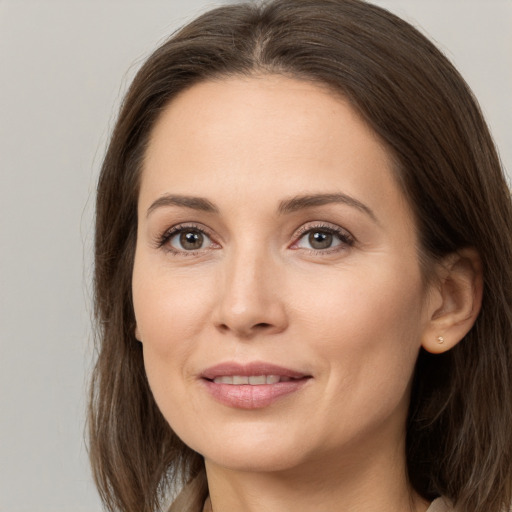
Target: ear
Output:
{"points": [[455, 302], [137, 334]]}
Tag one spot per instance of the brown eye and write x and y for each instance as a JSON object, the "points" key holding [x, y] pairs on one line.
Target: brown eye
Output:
{"points": [[320, 239], [188, 239], [191, 240], [324, 238]]}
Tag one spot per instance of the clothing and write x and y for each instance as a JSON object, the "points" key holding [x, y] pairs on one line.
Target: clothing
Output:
{"points": [[197, 490], [440, 505]]}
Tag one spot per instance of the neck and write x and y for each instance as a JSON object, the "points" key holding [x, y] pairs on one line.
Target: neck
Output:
{"points": [[376, 483]]}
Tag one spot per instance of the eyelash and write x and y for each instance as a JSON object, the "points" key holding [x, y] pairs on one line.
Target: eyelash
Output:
{"points": [[345, 238], [162, 241]]}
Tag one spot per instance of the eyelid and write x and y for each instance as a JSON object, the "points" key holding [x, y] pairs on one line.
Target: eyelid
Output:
{"points": [[343, 234], [345, 237], [161, 240]]}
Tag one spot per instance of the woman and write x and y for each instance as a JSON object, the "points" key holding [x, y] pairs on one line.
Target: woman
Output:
{"points": [[303, 278]]}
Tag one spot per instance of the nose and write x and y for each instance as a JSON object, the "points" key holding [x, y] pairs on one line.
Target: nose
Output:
{"points": [[250, 297]]}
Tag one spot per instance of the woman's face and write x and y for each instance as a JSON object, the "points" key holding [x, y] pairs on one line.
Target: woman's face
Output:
{"points": [[276, 284]]}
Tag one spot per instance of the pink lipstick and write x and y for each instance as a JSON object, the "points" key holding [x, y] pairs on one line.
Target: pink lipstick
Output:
{"points": [[251, 386]]}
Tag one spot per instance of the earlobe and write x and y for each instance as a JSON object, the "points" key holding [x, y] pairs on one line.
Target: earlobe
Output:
{"points": [[458, 293], [137, 334]]}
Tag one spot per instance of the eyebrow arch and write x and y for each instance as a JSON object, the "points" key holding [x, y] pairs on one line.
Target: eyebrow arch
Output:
{"points": [[311, 200], [287, 206], [195, 203]]}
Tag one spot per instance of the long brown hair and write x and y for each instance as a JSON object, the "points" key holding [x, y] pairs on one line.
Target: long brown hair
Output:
{"points": [[459, 431]]}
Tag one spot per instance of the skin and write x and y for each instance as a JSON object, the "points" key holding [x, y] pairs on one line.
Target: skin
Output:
{"points": [[352, 316]]}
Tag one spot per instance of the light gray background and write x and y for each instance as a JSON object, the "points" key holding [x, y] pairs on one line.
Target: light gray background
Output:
{"points": [[63, 68]]}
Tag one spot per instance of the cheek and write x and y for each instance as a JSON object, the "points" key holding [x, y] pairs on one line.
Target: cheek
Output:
{"points": [[361, 300], [169, 307], [366, 327], [365, 333], [170, 314]]}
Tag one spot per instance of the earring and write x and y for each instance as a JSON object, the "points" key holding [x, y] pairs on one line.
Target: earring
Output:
{"points": [[440, 340]]}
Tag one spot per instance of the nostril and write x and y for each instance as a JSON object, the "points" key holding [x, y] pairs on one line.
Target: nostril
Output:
{"points": [[243, 331], [262, 325]]}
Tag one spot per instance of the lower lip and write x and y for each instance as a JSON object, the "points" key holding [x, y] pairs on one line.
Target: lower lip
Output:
{"points": [[247, 396]]}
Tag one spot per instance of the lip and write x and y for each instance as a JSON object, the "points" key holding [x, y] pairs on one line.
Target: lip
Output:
{"points": [[249, 396], [253, 368]]}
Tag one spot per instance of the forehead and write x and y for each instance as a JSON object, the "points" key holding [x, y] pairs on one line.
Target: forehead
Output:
{"points": [[264, 135]]}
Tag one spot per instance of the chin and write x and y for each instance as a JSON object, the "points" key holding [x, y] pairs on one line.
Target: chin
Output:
{"points": [[254, 459], [250, 452]]}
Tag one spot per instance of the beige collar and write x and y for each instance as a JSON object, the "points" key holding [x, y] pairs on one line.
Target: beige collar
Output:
{"points": [[207, 505]]}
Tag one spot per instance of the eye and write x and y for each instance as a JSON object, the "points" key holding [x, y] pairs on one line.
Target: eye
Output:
{"points": [[188, 240], [319, 240], [183, 239], [323, 238]]}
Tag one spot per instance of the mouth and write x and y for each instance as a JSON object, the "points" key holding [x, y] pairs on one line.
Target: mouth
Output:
{"points": [[252, 386], [251, 380]]}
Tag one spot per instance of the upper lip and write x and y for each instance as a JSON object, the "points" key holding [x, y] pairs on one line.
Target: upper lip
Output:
{"points": [[250, 369]]}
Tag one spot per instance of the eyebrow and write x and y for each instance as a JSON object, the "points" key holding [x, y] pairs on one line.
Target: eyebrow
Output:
{"points": [[291, 205], [311, 200], [194, 203]]}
